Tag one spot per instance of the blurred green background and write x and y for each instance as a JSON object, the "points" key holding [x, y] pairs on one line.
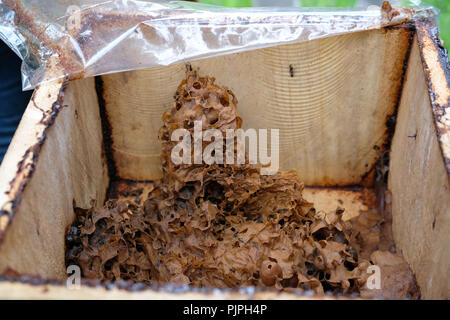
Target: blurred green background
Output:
{"points": [[442, 5], [444, 19]]}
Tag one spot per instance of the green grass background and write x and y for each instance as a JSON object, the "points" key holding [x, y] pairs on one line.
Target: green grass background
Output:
{"points": [[442, 5]]}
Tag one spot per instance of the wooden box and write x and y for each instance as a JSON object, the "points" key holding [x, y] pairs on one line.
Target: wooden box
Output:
{"points": [[344, 102]]}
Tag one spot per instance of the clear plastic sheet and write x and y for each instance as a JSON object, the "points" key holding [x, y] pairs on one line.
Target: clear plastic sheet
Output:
{"points": [[73, 39]]}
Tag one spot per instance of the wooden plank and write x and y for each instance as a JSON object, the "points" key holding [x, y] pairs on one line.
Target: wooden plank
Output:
{"points": [[57, 291], [62, 166], [420, 187], [331, 112]]}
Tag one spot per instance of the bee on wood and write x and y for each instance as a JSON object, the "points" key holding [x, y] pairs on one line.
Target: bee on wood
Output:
{"points": [[413, 136], [291, 70]]}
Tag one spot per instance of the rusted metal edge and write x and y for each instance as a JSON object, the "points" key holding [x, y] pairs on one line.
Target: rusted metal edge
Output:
{"points": [[437, 77], [26, 167]]}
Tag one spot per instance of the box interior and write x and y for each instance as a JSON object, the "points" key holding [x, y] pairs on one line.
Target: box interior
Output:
{"points": [[335, 101]]}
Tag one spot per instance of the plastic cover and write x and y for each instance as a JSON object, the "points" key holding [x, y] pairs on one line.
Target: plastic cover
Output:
{"points": [[81, 38]]}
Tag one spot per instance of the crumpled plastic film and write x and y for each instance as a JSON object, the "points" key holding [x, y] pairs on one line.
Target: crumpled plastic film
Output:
{"points": [[80, 38]]}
